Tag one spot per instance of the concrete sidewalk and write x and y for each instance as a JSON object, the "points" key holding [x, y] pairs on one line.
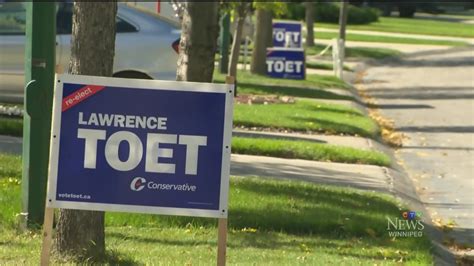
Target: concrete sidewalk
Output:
{"points": [[347, 175]]}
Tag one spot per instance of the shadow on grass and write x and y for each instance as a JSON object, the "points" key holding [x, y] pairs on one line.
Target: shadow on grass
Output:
{"points": [[274, 241], [320, 108], [290, 91], [298, 210], [285, 215], [337, 128], [111, 257]]}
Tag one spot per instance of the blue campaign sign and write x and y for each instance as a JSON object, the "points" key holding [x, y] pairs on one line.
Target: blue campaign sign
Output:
{"points": [[286, 63], [140, 146], [287, 34]]}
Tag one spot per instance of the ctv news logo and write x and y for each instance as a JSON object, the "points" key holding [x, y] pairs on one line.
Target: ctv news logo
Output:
{"points": [[408, 225]]}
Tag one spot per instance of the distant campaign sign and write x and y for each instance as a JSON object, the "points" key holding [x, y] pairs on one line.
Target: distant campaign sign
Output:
{"points": [[140, 146], [287, 34], [286, 63]]}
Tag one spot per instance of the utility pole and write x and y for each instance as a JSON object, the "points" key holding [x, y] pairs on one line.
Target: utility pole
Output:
{"points": [[340, 47], [39, 77], [224, 43]]}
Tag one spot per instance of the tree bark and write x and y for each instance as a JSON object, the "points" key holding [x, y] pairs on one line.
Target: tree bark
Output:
{"points": [[343, 19], [81, 233], [309, 24], [263, 39], [241, 12], [198, 43]]}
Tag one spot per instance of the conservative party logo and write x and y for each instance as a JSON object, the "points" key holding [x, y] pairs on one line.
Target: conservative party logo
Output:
{"points": [[138, 183]]}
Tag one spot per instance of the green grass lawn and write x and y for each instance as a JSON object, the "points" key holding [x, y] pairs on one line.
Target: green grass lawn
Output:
{"points": [[11, 126], [411, 25], [358, 52], [306, 116], [386, 39], [270, 223], [325, 66], [313, 87], [307, 150], [311, 81]]}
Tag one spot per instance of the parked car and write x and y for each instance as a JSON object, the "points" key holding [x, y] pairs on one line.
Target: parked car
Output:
{"points": [[146, 44]]}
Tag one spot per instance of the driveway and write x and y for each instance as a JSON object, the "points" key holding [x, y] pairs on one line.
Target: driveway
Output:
{"points": [[429, 95]]}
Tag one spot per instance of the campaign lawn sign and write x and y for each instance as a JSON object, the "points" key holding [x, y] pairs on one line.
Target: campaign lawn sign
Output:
{"points": [[287, 34], [287, 63], [144, 146]]}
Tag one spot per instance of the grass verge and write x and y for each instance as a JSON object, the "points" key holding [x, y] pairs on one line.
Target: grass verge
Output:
{"points": [[306, 116], [325, 66], [388, 39], [270, 223], [413, 26], [358, 52], [307, 150], [11, 126], [311, 81]]}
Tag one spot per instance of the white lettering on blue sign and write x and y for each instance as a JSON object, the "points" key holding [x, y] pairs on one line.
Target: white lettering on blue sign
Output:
{"points": [[284, 66], [153, 151], [282, 35]]}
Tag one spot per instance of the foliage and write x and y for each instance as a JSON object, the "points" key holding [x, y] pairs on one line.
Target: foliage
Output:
{"points": [[295, 11], [278, 8], [329, 13]]}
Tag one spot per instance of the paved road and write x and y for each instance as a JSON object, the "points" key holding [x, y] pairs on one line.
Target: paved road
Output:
{"points": [[429, 95]]}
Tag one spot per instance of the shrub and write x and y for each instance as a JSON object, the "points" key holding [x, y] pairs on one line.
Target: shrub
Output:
{"points": [[295, 11], [364, 15]]}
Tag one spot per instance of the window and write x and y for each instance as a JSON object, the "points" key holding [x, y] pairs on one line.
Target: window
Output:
{"points": [[64, 18], [123, 26], [64, 21], [12, 18]]}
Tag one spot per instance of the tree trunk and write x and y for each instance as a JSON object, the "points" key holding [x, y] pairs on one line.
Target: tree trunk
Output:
{"points": [[309, 24], [263, 39], [81, 233], [343, 20], [241, 12], [198, 43]]}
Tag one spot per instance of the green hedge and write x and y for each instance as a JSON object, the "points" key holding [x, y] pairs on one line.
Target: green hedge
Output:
{"points": [[329, 13]]}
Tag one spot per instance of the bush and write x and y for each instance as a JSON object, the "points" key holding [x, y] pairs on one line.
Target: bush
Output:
{"points": [[295, 11], [364, 15], [329, 12]]}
